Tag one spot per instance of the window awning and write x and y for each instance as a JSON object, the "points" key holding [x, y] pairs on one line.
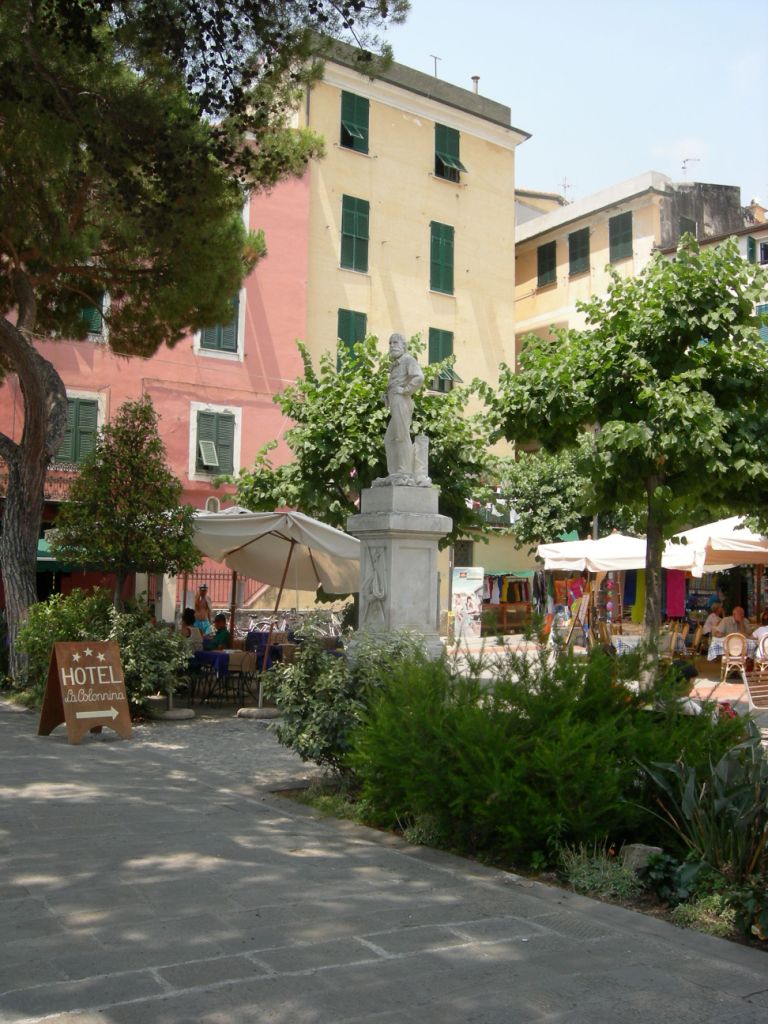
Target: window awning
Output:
{"points": [[352, 129], [451, 161], [448, 374]]}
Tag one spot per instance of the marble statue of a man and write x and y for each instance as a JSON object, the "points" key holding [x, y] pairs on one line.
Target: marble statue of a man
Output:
{"points": [[406, 462]]}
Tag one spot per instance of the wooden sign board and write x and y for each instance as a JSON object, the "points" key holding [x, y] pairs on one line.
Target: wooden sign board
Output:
{"points": [[85, 690]]}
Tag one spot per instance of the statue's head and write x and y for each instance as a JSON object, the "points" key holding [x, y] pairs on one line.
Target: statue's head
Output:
{"points": [[397, 344]]}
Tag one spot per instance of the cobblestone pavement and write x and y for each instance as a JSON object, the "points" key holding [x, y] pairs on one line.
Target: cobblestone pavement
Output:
{"points": [[157, 881]]}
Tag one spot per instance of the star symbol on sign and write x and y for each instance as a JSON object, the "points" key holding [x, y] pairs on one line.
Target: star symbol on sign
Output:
{"points": [[75, 657], [87, 652], [101, 656]]}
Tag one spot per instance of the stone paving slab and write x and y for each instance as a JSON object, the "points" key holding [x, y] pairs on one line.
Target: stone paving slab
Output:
{"points": [[158, 880]]}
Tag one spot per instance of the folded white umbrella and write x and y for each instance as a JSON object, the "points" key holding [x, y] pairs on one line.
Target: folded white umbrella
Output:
{"points": [[283, 549], [612, 553]]}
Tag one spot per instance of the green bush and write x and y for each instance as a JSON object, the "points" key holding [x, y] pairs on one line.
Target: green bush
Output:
{"points": [[152, 656], [710, 914], [547, 750], [322, 697], [596, 871], [76, 616]]}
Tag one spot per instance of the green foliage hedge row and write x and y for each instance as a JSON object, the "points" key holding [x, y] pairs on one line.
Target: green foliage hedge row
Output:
{"points": [[153, 657]]}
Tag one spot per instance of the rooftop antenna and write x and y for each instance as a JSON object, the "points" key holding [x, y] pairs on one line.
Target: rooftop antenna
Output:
{"points": [[435, 59], [689, 160], [565, 186]]}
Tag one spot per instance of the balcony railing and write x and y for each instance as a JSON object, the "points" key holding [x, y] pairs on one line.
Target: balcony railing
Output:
{"points": [[59, 478]]}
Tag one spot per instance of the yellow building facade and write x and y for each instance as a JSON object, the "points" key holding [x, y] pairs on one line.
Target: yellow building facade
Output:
{"points": [[415, 168]]}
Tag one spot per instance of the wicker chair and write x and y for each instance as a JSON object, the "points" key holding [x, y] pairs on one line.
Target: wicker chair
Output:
{"points": [[734, 656]]}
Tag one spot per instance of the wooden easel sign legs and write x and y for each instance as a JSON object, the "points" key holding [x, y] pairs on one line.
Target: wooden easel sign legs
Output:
{"points": [[85, 690]]}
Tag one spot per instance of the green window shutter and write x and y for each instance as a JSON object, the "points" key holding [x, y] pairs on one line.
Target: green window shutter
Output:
{"points": [[578, 251], [447, 162], [352, 327], [206, 431], [440, 348], [620, 236], [355, 112], [751, 249], [92, 315], [87, 425], [762, 310], [216, 431], [441, 258], [355, 215], [82, 427], [223, 337], [66, 448], [225, 442], [546, 262]]}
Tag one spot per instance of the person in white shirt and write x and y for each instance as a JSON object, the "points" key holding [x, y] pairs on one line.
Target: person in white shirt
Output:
{"points": [[762, 629], [713, 619]]}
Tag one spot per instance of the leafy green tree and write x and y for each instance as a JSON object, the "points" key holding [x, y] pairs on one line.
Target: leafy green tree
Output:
{"points": [[124, 513], [131, 133], [337, 442], [670, 377]]}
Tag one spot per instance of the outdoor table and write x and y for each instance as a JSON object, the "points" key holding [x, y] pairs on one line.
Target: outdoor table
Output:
{"points": [[717, 646], [218, 661], [627, 644]]}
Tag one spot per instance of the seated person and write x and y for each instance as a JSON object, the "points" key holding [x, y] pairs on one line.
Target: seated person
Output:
{"points": [[736, 622], [190, 631], [712, 621], [762, 629], [221, 639]]}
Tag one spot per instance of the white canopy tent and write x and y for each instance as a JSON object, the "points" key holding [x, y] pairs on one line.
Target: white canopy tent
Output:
{"points": [[714, 546]]}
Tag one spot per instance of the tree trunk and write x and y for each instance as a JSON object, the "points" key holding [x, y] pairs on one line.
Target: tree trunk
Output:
{"points": [[45, 422], [653, 552]]}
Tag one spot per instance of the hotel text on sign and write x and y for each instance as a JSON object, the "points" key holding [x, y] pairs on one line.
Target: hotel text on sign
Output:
{"points": [[85, 690]]}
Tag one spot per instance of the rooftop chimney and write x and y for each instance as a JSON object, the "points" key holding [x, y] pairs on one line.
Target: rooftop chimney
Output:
{"points": [[475, 80]]}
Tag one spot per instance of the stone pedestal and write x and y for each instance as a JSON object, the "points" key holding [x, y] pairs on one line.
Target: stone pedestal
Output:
{"points": [[399, 529]]}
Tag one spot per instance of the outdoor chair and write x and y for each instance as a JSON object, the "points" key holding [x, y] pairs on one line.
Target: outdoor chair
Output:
{"points": [[757, 686], [698, 636], [734, 656]]}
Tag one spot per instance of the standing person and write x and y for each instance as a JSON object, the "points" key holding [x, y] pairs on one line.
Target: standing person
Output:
{"points": [[203, 610]]}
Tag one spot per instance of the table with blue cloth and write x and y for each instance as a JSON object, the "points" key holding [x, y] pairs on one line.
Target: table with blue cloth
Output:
{"points": [[717, 648], [209, 669], [629, 644]]}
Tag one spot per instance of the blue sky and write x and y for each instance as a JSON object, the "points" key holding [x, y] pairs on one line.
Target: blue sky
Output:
{"points": [[609, 90]]}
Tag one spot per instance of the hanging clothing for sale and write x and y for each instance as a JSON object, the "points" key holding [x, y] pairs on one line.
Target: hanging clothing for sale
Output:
{"points": [[638, 608], [675, 594], [630, 587]]}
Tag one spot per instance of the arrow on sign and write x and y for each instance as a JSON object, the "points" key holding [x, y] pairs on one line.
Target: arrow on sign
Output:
{"points": [[112, 713]]}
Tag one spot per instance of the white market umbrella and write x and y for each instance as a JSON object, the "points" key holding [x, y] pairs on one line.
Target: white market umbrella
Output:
{"points": [[715, 546], [613, 553], [281, 549]]}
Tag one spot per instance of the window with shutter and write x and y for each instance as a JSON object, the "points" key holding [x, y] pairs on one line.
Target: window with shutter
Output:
{"points": [[751, 249], [94, 316], [222, 337], [762, 310], [578, 251], [351, 327], [441, 258], [620, 236], [763, 253], [687, 226], [440, 348], [215, 442], [447, 162], [354, 122], [354, 233], [82, 427], [546, 262]]}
